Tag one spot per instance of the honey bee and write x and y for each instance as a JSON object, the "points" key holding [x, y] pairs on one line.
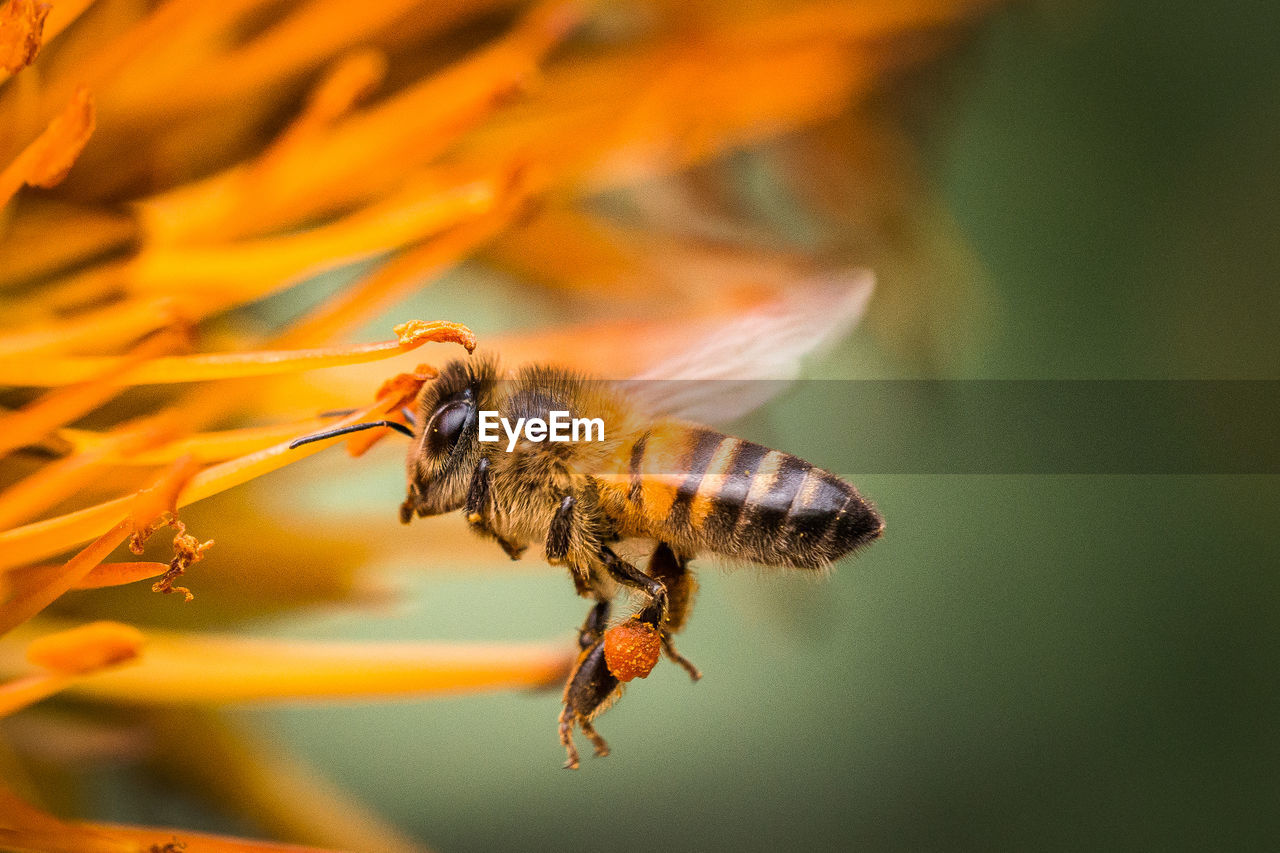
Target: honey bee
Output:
{"points": [[688, 489]]}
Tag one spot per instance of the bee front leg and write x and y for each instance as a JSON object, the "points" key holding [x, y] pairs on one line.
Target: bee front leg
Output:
{"points": [[560, 532], [591, 687], [567, 525], [477, 500]]}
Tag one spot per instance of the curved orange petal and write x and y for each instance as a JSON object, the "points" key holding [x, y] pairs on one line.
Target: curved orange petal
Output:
{"points": [[46, 161], [406, 272], [247, 270], [27, 690], [62, 478], [308, 174], [46, 235], [108, 574], [35, 591]]}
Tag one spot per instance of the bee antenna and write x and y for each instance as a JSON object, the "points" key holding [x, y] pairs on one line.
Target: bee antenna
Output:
{"points": [[330, 433]]}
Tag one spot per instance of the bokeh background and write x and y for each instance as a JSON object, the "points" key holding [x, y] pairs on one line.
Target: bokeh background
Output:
{"points": [[1043, 660]]}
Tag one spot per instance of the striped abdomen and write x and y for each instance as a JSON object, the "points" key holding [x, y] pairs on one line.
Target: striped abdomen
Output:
{"points": [[705, 491]]}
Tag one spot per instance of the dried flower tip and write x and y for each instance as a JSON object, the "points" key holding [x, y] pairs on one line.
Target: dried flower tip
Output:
{"points": [[187, 550], [631, 649], [21, 29], [86, 648], [416, 332]]}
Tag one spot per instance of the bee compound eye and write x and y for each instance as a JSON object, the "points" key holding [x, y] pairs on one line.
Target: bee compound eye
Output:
{"points": [[446, 426]]}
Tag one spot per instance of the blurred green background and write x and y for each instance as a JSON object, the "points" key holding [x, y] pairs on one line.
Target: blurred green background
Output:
{"points": [[1024, 662]]}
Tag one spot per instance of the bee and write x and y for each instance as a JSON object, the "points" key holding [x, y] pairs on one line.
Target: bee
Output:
{"points": [[688, 489]]}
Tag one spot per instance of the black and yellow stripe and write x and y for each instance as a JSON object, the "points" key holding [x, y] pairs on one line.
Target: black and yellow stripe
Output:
{"points": [[743, 500], [705, 445], [728, 493]]}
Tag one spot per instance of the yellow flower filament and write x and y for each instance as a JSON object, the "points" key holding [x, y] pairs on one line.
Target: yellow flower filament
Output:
{"points": [[66, 370]]}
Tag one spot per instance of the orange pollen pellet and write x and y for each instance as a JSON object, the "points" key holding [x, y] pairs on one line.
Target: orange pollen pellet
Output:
{"points": [[631, 650]]}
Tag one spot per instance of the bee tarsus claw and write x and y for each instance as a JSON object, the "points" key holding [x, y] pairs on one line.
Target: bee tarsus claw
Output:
{"points": [[695, 674]]}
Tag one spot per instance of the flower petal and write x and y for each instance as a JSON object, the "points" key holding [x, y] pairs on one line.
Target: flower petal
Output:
{"points": [[46, 161], [59, 407], [35, 591], [307, 173], [24, 827], [188, 668], [113, 574], [86, 648]]}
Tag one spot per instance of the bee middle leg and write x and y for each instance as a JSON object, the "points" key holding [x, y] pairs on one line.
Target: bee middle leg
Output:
{"points": [[477, 500], [591, 687]]}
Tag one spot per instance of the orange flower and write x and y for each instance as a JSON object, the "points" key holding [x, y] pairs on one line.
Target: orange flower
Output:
{"points": [[175, 177]]}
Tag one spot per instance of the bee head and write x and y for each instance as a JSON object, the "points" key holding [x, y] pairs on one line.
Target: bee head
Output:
{"points": [[446, 449]]}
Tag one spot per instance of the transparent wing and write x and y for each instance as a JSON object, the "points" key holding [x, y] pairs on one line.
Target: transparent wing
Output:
{"points": [[737, 365]]}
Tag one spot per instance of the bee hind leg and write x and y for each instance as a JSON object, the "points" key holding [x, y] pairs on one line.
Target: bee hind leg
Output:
{"points": [[681, 586], [591, 687], [670, 587], [602, 748]]}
